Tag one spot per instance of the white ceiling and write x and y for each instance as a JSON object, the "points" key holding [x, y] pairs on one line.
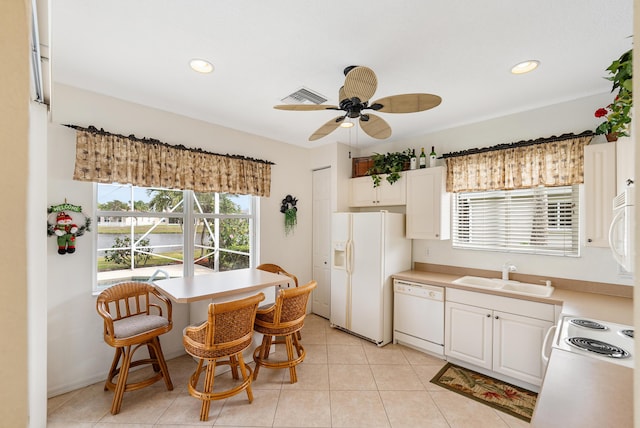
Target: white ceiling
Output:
{"points": [[263, 50]]}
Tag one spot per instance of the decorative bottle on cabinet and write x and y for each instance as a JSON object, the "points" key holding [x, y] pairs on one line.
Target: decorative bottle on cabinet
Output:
{"points": [[413, 161], [432, 158], [423, 159]]}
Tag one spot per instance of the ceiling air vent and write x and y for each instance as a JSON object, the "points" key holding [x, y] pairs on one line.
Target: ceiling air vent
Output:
{"points": [[304, 96]]}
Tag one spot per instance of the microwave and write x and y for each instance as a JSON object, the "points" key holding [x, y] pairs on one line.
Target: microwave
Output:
{"points": [[622, 229]]}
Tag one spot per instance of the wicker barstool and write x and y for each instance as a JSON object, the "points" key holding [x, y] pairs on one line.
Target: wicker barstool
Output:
{"points": [[283, 320], [270, 267], [220, 340], [128, 326]]}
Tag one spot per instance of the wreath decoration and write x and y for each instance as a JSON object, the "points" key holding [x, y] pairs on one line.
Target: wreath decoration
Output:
{"points": [[290, 211], [76, 211]]}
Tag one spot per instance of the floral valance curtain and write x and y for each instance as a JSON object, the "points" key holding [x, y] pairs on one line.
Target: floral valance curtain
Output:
{"points": [[553, 162], [103, 157]]}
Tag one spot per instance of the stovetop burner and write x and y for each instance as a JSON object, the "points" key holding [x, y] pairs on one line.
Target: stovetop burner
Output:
{"points": [[598, 347], [627, 332], [588, 324]]}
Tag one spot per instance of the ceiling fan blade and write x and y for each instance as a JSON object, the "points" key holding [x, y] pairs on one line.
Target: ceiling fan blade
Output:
{"points": [[406, 103], [361, 83], [327, 128], [306, 107], [375, 127]]}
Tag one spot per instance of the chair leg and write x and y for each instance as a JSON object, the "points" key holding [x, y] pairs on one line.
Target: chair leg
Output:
{"points": [[114, 368], [260, 354], [208, 388], [161, 363], [245, 376], [289, 344], [122, 381]]}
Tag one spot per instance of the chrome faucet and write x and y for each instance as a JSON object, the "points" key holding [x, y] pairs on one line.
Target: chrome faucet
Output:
{"points": [[506, 268]]}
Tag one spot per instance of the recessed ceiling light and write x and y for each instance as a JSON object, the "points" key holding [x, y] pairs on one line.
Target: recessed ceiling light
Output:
{"points": [[525, 66], [346, 124], [201, 66]]}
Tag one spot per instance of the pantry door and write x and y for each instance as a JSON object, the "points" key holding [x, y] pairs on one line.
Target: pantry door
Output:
{"points": [[321, 300]]}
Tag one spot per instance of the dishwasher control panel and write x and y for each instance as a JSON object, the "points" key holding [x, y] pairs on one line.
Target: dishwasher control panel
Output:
{"points": [[419, 290]]}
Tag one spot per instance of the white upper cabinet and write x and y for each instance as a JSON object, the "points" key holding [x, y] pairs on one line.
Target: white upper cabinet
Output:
{"points": [[625, 155], [599, 191], [428, 204], [363, 194]]}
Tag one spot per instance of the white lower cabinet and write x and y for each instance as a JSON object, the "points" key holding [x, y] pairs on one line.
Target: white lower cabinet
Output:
{"points": [[485, 335]]}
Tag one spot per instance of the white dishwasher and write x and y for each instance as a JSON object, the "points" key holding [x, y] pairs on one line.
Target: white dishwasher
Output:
{"points": [[418, 316]]}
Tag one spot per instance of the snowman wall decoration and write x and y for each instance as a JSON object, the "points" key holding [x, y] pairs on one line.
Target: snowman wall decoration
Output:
{"points": [[62, 222]]}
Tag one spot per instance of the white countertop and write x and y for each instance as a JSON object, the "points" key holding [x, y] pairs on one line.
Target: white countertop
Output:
{"points": [[218, 285]]}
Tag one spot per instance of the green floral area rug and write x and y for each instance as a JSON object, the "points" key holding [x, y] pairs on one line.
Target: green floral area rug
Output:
{"points": [[505, 397]]}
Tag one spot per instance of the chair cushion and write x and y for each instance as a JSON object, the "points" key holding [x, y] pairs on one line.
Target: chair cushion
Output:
{"points": [[138, 324]]}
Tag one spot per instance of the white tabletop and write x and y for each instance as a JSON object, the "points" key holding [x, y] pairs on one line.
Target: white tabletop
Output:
{"points": [[218, 284]]}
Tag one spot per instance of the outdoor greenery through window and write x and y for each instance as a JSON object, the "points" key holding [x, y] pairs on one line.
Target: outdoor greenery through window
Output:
{"points": [[542, 220], [144, 230]]}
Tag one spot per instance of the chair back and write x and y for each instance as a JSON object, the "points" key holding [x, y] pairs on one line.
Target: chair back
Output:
{"points": [[229, 328], [130, 299], [291, 307], [270, 267]]}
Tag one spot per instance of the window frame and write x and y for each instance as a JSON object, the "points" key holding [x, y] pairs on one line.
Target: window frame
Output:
{"points": [[188, 217]]}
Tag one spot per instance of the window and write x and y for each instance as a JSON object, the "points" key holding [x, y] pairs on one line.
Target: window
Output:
{"points": [[142, 230], [542, 220]]}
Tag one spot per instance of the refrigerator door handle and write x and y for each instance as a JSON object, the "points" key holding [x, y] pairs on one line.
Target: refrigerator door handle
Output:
{"points": [[349, 256]]}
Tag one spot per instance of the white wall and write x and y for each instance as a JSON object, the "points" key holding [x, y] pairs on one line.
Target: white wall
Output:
{"points": [[77, 354], [594, 264]]}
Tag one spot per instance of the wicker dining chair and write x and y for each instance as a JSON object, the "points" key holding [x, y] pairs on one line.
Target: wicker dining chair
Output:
{"points": [[283, 320], [129, 325], [221, 340], [273, 268]]}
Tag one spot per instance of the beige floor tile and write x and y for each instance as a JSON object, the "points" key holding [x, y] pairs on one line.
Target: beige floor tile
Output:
{"points": [[238, 411], [143, 406], [315, 354], [462, 412], [339, 337], [310, 377], [512, 421], [68, 424], [303, 409], [412, 409], [268, 378], [185, 409], [357, 409], [351, 377], [89, 404], [389, 354], [315, 337], [393, 377], [346, 354], [426, 373], [422, 358]]}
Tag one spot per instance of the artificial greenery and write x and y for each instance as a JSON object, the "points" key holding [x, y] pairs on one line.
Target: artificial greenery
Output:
{"points": [[290, 211], [391, 163], [618, 113]]}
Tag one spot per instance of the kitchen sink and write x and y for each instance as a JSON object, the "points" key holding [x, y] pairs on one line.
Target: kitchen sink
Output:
{"points": [[505, 285], [478, 281]]}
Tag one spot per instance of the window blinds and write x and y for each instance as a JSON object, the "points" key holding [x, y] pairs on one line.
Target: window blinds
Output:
{"points": [[536, 221]]}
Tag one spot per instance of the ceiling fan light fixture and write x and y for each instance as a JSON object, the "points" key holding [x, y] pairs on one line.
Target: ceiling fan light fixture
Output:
{"points": [[525, 66], [346, 124], [201, 65]]}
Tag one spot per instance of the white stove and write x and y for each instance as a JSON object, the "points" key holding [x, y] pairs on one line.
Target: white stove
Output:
{"points": [[603, 340]]}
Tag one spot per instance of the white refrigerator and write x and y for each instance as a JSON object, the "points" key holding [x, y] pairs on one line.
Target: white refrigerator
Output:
{"points": [[367, 248]]}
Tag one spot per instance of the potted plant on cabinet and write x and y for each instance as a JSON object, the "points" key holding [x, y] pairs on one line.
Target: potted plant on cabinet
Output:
{"points": [[391, 163], [618, 113]]}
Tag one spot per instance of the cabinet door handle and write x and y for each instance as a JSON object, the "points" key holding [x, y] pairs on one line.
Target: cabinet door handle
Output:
{"points": [[488, 315], [497, 317], [589, 240]]}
